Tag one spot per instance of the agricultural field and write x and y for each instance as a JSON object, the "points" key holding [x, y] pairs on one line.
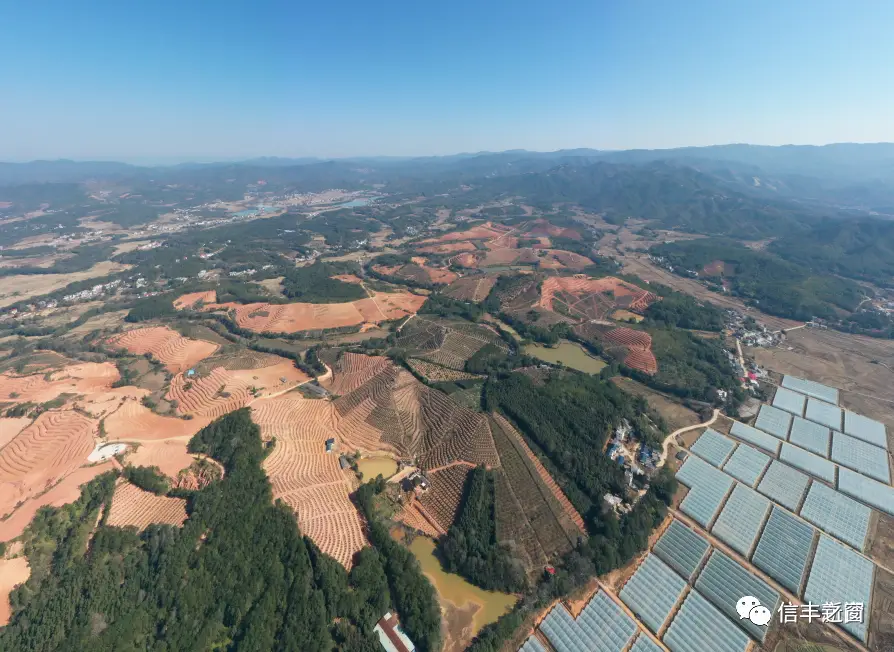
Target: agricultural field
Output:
{"points": [[297, 317], [534, 515], [418, 272], [24, 286], [12, 573], [306, 477], [860, 366], [437, 374], [175, 352], [446, 343], [471, 288], [43, 453], [134, 507]]}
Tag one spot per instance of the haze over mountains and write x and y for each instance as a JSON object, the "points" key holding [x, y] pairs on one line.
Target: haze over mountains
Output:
{"points": [[850, 175]]}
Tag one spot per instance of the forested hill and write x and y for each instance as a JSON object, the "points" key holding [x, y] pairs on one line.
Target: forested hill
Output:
{"points": [[776, 286], [238, 575], [677, 196], [861, 249]]}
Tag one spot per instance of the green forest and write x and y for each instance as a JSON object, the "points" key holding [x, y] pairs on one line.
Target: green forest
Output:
{"points": [[776, 286], [470, 547], [569, 418]]}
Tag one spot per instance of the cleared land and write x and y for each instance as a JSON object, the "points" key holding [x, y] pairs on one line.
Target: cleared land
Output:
{"points": [[677, 416], [134, 507], [419, 272], [296, 317], [306, 477], [169, 455], [12, 573], [436, 373], [75, 379], [66, 491], [190, 300], [175, 352], [42, 454], [589, 298]]}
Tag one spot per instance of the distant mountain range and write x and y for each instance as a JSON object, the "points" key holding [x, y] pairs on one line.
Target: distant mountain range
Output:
{"points": [[716, 183]]}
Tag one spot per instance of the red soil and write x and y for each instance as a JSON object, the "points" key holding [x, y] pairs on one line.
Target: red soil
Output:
{"points": [[612, 291], [82, 378], [466, 260], [639, 348], [134, 507], [132, 421], [12, 573], [176, 352], [42, 454], [486, 231], [447, 248], [295, 317], [10, 427], [169, 455], [66, 491], [189, 300], [306, 477]]}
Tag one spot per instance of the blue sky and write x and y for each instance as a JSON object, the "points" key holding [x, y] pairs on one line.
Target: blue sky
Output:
{"points": [[161, 80]]}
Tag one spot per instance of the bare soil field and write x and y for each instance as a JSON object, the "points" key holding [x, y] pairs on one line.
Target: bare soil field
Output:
{"points": [[42, 454], [12, 573], [591, 298], [189, 300], [10, 427], [133, 421], [676, 415], [175, 352], [75, 379], [420, 273], [169, 455], [104, 321], [295, 317], [486, 231], [134, 507], [30, 285], [862, 367], [66, 491], [881, 625], [306, 477], [222, 390], [447, 248]]}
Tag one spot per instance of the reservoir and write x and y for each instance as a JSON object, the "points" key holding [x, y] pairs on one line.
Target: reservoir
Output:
{"points": [[570, 354], [487, 605], [371, 467]]}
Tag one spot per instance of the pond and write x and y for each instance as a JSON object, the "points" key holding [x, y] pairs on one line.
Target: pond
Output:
{"points": [[487, 605], [570, 354], [371, 467]]}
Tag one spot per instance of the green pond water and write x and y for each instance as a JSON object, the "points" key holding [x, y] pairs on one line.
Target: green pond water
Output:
{"points": [[570, 354]]}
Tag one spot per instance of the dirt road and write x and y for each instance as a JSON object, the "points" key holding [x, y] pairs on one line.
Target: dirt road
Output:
{"points": [[680, 431]]}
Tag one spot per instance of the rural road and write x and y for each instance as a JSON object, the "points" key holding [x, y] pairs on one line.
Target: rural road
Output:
{"points": [[680, 431]]}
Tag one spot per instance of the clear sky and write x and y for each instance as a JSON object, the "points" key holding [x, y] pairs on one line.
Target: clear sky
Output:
{"points": [[190, 79]]}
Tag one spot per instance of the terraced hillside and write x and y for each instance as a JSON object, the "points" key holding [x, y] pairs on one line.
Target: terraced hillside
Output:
{"points": [[393, 411], [306, 477], [175, 352], [296, 317], [447, 343], [581, 297], [75, 379], [134, 507], [533, 515], [43, 453]]}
